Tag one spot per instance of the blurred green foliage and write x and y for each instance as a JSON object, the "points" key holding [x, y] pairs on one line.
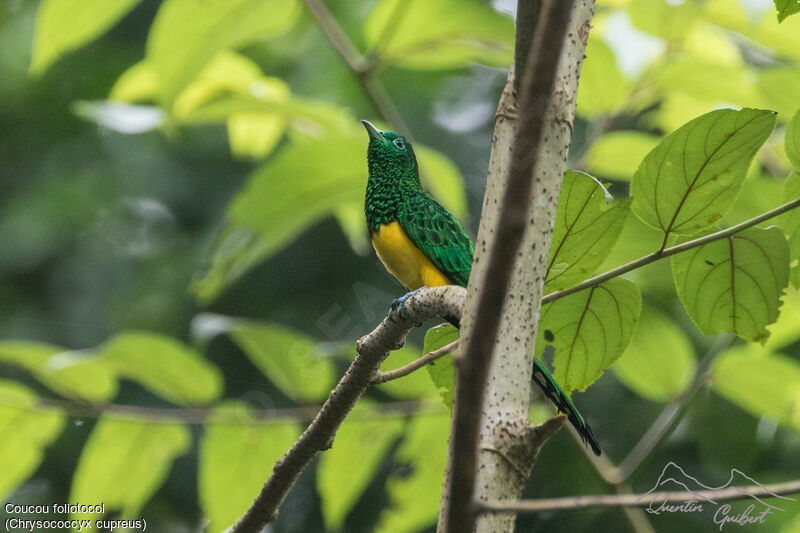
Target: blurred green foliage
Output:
{"points": [[182, 232]]}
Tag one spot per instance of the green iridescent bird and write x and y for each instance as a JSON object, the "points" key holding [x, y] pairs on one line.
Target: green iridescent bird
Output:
{"points": [[422, 245]]}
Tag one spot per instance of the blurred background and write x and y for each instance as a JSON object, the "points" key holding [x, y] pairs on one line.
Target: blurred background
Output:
{"points": [[181, 230]]}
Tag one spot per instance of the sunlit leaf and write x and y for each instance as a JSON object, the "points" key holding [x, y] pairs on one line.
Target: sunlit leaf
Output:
{"points": [[124, 462], [783, 37], [786, 8], [784, 331], [689, 181], [712, 83], [442, 371], [346, 469], [589, 330], [659, 362], [763, 385], [187, 34], [617, 154], [237, 452], [734, 284], [793, 141], [415, 495], [439, 35], [662, 18], [26, 430], [603, 88], [305, 182], [72, 374], [65, 25], [292, 361], [139, 83], [779, 86], [587, 225], [164, 365]]}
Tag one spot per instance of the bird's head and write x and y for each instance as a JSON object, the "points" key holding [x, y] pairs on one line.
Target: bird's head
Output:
{"points": [[389, 152]]}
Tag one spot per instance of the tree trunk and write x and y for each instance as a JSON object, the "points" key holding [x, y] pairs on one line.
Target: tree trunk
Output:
{"points": [[508, 443]]}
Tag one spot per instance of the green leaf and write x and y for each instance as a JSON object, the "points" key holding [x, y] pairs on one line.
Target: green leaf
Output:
{"points": [[439, 35], [415, 496], [187, 34], [237, 453], [690, 180], [712, 83], [792, 142], [292, 361], [617, 155], [66, 25], [734, 284], [346, 469], [790, 223], [272, 209], [786, 8], [782, 38], [665, 19], [27, 430], [587, 225], [442, 372], [69, 373], [763, 385], [165, 366], [784, 332], [124, 462], [603, 88], [779, 86], [589, 330], [659, 363]]}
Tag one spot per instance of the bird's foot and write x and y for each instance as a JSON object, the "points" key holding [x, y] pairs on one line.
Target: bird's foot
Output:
{"points": [[396, 309]]}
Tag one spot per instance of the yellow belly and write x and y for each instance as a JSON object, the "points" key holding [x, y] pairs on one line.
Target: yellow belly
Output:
{"points": [[404, 260]]}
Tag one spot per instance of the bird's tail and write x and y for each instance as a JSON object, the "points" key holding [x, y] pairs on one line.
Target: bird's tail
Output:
{"points": [[554, 393], [542, 377]]}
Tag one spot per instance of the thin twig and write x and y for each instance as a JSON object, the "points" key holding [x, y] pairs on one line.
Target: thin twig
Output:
{"points": [[663, 425], [430, 357], [336, 34], [660, 254], [641, 500], [359, 65], [537, 90], [371, 349]]}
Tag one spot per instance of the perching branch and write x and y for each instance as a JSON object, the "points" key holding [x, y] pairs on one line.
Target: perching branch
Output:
{"points": [[536, 92], [428, 358], [672, 250], [371, 349], [641, 500]]}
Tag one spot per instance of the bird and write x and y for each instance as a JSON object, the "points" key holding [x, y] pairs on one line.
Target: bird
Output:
{"points": [[422, 244]]}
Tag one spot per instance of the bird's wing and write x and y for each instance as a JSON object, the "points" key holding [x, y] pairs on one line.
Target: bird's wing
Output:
{"points": [[438, 235]]}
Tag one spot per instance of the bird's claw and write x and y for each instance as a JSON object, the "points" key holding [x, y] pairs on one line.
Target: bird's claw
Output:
{"points": [[396, 309]]}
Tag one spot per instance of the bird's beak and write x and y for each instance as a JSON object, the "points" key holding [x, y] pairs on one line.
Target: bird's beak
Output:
{"points": [[374, 133]]}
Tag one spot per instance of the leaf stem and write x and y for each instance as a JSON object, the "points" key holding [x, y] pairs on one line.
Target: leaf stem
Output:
{"points": [[639, 500], [666, 252]]}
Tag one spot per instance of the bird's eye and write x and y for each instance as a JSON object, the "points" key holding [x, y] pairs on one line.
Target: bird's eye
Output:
{"points": [[398, 143]]}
